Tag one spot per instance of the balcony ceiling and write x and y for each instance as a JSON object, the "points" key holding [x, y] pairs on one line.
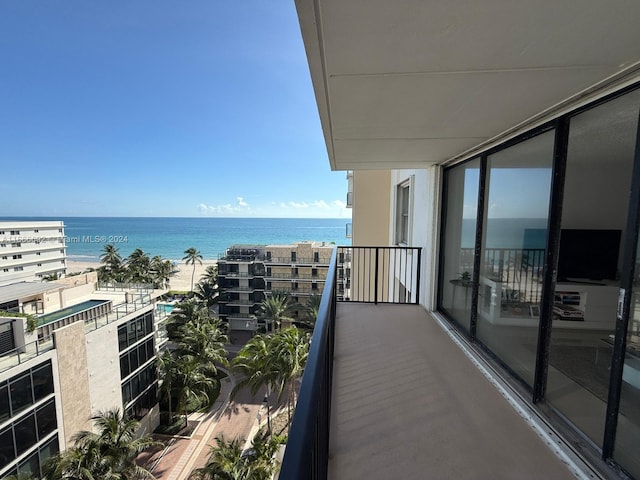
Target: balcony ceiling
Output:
{"points": [[409, 83]]}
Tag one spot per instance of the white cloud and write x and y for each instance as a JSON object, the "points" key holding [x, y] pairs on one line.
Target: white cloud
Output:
{"points": [[281, 208]]}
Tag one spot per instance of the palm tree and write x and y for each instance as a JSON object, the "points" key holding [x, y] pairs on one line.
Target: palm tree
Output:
{"points": [[193, 384], [160, 272], [255, 369], [112, 262], [191, 256], [204, 341], [139, 266], [111, 453], [274, 310], [310, 308], [168, 372], [289, 351], [207, 293], [227, 461], [187, 311], [210, 275]]}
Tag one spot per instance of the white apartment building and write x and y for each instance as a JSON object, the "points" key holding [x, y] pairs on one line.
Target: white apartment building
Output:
{"points": [[93, 348], [30, 251]]}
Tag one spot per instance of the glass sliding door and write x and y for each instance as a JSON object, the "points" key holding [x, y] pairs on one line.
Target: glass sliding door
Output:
{"points": [[600, 154], [518, 189], [460, 219], [628, 428]]}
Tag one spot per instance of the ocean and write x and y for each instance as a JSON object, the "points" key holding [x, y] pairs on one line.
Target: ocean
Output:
{"points": [[170, 237]]}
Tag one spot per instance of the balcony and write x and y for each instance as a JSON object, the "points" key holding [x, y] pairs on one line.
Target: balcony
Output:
{"points": [[388, 391]]}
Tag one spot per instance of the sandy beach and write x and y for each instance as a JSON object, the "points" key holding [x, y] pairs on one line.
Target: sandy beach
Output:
{"points": [[180, 281]]}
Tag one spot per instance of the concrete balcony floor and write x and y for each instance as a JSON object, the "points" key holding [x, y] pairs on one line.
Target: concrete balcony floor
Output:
{"points": [[408, 404]]}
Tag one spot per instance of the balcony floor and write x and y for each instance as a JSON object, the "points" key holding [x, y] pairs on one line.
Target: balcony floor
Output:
{"points": [[408, 404]]}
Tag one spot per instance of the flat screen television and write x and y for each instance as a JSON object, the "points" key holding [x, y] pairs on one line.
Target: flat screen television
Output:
{"points": [[588, 254]]}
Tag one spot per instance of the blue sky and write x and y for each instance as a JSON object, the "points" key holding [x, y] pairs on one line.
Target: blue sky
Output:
{"points": [[160, 108]]}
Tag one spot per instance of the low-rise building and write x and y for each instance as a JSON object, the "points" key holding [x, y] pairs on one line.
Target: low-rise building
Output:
{"points": [[247, 274]]}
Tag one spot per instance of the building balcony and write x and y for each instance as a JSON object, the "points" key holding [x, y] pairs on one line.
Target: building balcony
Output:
{"points": [[390, 392], [296, 276], [296, 261]]}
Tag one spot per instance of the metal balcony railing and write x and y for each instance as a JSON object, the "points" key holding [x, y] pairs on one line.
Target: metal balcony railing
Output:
{"points": [[307, 452]]}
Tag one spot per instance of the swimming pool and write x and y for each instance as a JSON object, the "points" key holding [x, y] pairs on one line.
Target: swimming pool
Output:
{"points": [[166, 307], [69, 311]]}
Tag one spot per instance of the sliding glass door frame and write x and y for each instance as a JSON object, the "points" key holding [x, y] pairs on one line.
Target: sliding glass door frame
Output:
{"points": [[624, 307], [632, 236]]}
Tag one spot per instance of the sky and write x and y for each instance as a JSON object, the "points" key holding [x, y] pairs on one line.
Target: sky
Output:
{"points": [[160, 108]]}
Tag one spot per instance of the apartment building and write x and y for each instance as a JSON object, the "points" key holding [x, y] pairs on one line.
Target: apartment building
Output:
{"points": [[91, 348], [247, 274], [502, 143], [30, 251]]}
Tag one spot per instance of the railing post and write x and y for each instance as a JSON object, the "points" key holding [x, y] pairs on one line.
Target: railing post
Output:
{"points": [[418, 275], [375, 289]]}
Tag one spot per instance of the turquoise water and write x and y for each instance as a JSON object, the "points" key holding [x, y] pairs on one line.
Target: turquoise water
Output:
{"points": [[170, 237], [165, 307], [68, 311]]}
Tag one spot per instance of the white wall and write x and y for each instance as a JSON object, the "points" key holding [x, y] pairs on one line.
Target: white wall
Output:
{"points": [[424, 222]]}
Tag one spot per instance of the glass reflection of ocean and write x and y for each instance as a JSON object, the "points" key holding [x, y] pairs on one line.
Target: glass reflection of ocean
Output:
{"points": [[508, 233]]}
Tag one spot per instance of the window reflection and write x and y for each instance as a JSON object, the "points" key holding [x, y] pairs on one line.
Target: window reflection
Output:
{"points": [[518, 190]]}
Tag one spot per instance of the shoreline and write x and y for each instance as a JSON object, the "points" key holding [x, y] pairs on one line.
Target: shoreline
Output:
{"points": [[180, 281]]}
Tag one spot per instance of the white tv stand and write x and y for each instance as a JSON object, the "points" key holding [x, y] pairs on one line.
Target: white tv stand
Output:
{"points": [[598, 301]]}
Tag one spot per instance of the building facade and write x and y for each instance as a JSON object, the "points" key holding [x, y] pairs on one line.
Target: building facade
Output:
{"points": [[91, 348], [247, 274], [30, 251], [486, 140]]}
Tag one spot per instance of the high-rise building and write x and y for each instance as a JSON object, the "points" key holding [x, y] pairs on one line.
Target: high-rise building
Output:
{"points": [[30, 251], [497, 150]]}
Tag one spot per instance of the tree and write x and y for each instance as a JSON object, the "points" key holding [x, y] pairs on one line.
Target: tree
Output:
{"points": [[274, 310], [207, 293], [193, 384], [310, 315], [191, 256], [161, 271], [227, 461], [112, 263], [187, 311], [111, 453], [210, 275], [289, 351], [139, 266], [255, 369]]}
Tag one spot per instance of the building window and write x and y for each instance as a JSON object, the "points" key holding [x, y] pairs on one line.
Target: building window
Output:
{"points": [[39, 264], [402, 213], [18, 269], [314, 286], [316, 257], [36, 231], [268, 255], [15, 232], [293, 256], [4, 257], [16, 257], [16, 245], [5, 269], [37, 253]]}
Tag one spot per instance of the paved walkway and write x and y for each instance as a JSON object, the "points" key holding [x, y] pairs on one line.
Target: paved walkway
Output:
{"points": [[232, 419]]}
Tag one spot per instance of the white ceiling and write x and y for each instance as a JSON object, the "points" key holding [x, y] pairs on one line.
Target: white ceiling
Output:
{"points": [[408, 83]]}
